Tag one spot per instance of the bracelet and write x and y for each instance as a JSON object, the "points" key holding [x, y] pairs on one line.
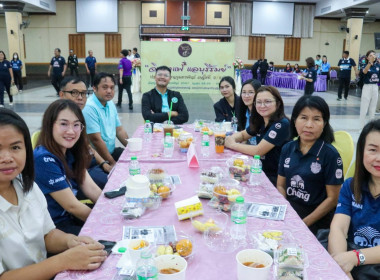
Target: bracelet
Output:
{"points": [[357, 252], [103, 163]]}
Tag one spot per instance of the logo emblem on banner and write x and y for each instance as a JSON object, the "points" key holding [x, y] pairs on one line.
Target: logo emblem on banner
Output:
{"points": [[184, 50]]}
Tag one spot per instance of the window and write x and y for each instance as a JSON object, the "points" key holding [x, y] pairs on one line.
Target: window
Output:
{"points": [[77, 43], [256, 48], [292, 49], [112, 45]]}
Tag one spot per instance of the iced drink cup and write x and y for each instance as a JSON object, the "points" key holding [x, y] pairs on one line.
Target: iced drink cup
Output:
{"points": [[220, 137]]}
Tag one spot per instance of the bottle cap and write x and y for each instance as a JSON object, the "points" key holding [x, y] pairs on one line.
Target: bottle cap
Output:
{"points": [[167, 133], [256, 157], [205, 133], [147, 121], [133, 158], [122, 250], [240, 199]]}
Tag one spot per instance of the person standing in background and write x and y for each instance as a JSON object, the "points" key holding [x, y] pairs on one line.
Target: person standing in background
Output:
{"points": [[345, 64], [310, 77], [90, 64], [263, 71], [325, 68], [370, 92], [318, 61], [125, 80], [130, 56], [72, 61], [254, 69], [6, 78], [135, 53], [59, 66], [16, 64]]}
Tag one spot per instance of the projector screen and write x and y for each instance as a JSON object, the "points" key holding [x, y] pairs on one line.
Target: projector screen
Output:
{"points": [[97, 16], [272, 18]]}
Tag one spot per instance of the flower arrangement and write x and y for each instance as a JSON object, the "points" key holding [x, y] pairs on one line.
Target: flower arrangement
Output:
{"points": [[136, 63], [238, 63]]}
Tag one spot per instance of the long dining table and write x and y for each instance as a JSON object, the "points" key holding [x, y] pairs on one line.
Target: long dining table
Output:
{"points": [[106, 222]]}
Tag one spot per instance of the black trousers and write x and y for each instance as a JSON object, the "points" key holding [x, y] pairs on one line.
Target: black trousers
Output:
{"points": [[344, 82], [263, 77], [254, 75], [90, 78], [56, 82], [74, 70], [127, 82], [17, 76], [309, 88], [5, 84]]}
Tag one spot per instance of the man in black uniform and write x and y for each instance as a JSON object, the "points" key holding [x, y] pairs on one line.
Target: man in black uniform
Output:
{"points": [[72, 61], [135, 53], [59, 66], [263, 70], [254, 69], [345, 64]]}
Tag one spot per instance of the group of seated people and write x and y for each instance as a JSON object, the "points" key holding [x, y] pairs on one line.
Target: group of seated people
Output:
{"points": [[40, 189]]}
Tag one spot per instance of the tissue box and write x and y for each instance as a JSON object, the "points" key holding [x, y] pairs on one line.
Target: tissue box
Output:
{"points": [[190, 207]]}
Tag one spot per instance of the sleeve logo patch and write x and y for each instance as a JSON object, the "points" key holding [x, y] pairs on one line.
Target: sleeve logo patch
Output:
{"points": [[272, 134], [339, 161], [339, 173], [277, 125]]}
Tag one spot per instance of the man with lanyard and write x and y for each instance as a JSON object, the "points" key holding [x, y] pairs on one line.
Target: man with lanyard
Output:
{"points": [[135, 53], [103, 125], [72, 61], [345, 64], [155, 104], [59, 66], [90, 64]]}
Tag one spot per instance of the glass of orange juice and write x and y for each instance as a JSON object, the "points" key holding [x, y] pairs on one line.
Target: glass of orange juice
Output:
{"points": [[220, 137]]}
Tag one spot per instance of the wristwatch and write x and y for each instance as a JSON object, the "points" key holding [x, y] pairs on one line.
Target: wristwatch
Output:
{"points": [[360, 256], [103, 163]]}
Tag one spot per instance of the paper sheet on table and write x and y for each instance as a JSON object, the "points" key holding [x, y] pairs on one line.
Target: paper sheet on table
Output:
{"points": [[192, 158]]}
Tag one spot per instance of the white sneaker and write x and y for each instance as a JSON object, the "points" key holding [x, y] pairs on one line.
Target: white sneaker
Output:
{"points": [[1, 106], [20, 91], [11, 104]]}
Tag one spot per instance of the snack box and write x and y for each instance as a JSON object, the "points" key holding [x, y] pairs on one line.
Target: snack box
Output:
{"points": [[187, 208]]}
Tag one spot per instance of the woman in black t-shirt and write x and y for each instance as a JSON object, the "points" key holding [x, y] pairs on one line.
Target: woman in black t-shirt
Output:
{"points": [[6, 78]]}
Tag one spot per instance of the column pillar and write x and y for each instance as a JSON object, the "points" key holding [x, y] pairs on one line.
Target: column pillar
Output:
{"points": [[13, 21], [354, 33]]}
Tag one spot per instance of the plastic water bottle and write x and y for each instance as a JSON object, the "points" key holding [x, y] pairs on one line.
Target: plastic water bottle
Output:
{"points": [[148, 131], [168, 146], [255, 172], [234, 124], [205, 149], [146, 269], [134, 167], [239, 220]]}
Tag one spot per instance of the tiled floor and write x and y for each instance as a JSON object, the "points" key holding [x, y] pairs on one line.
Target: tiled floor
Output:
{"points": [[33, 101]]}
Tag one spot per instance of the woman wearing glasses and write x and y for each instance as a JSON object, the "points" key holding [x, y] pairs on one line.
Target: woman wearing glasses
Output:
{"points": [[269, 125], [61, 158]]}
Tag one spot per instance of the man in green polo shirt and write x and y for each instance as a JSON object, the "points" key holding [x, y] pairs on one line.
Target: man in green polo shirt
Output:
{"points": [[102, 121]]}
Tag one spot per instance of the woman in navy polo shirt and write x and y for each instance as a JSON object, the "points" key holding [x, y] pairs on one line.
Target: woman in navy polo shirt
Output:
{"points": [[248, 90], [16, 64], [310, 170], [356, 223], [6, 78], [269, 125], [288, 68], [297, 68], [310, 76], [61, 158], [370, 90], [226, 107]]}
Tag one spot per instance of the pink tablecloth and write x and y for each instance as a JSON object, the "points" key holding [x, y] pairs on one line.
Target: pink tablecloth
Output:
{"points": [[153, 151], [105, 222]]}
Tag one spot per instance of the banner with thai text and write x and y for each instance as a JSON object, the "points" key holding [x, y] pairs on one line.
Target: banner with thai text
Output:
{"points": [[196, 67]]}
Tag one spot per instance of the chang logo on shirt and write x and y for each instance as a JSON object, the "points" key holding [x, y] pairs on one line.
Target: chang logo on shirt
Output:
{"points": [[367, 237], [297, 186]]}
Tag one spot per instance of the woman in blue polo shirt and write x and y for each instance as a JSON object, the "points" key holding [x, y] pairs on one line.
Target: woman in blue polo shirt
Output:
{"points": [[310, 170], [61, 158], [370, 90], [6, 78], [355, 230], [269, 125], [226, 107], [16, 64]]}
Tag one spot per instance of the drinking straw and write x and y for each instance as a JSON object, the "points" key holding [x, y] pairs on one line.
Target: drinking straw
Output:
{"points": [[170, 112]]}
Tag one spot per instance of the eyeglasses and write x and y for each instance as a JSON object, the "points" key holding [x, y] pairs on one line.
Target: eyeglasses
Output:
{"points": [[163, 75], [247, 94], [266, 103], [75, 93], [65, 126]]}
